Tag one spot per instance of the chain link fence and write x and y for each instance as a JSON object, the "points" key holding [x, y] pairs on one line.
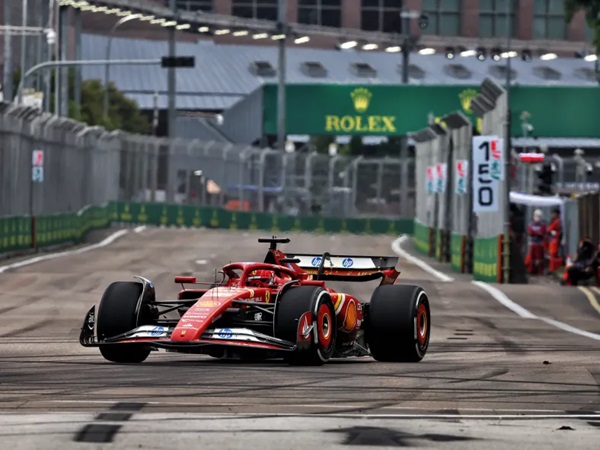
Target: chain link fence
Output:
{"points": [[87, 165]]}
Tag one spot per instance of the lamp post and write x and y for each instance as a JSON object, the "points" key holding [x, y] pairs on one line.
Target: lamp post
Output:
{"points": [[108, 49], [507, 154], [281, 104]]}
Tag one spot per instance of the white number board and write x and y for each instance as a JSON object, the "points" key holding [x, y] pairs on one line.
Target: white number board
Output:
{"points": [[487, 171]]}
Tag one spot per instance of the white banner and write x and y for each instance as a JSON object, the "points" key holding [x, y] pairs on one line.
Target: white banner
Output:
{"points": [[430, 180], [487, 172], [440, 174], [461, 170]]}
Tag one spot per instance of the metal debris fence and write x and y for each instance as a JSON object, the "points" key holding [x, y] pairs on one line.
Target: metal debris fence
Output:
{"points": [[87, 165]]}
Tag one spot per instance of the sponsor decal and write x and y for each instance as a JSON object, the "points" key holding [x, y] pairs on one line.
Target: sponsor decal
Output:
{"points": [[208, 303], [157, 331], [225, 333], [251, 291], [258, 316], [267, 296], [183, 332], [188, 325], [316, 261], [347, 262], [90, 322]]}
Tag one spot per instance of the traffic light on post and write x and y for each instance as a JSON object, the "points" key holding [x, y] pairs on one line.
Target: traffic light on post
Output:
{"points": [[545, 176]]}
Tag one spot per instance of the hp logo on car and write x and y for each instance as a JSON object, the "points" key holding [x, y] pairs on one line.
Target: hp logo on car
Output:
{"points": [[316, 261], [347, 262], [225, 333]]}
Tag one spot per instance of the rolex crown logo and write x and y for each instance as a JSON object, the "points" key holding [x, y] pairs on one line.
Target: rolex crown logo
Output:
{"points": [[465, 99], [361, 98]]}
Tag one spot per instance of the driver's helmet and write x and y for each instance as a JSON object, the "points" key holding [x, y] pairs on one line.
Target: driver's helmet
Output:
{"points": [[259, 278]]}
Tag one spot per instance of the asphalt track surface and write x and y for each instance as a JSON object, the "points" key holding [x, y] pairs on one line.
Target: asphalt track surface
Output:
{"points": [[490, 377]]}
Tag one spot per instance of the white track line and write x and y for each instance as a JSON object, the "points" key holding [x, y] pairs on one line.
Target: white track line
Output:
{"points": [[201, 262], [107, 241], [139, 229], [396, 247], [505, 301], [496, 294]]}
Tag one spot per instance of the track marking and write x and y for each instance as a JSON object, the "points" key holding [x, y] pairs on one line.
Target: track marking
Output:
{"points": [[107, 241], [396, 247], [496, 294], [201, 262], [139, 229], [505, 301], [591, 297]]}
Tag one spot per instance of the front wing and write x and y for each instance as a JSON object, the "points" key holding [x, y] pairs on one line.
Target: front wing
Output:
{"points": [[160, 337]]}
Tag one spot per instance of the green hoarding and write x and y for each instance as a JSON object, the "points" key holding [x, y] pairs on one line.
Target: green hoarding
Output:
{"points": [[485, 259], [363, 109], [322, 109]]}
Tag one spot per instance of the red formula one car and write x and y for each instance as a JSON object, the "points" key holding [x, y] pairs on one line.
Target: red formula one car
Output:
{"points": [[281, 307]]}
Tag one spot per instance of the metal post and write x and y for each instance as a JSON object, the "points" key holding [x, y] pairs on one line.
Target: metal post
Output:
{"points": [[7, 84], [155, 115], [64, 82], [281, 104], [77, 81], [59, 38], [405, 44], [172, 75], [23, 64], [507, 154], [108, 50]]}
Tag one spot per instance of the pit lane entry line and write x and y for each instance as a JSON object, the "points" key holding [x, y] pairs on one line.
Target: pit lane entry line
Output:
{"points": [[397, 248], [495, 293], [26, 262], [591, 297]]}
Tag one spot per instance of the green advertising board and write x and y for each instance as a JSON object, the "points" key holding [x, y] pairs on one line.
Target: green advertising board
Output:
{"points": [[380, 110], [485, 259], [323, 109]]}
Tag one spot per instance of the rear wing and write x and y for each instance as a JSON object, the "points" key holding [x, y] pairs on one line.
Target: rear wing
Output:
{"points": [[348, 267]]}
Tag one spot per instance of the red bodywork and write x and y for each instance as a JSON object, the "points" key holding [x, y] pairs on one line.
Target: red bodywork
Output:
{"points": [[251, 284]]}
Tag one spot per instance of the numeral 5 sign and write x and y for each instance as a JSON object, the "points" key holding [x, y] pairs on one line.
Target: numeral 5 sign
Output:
{"points": [[487, 172]]}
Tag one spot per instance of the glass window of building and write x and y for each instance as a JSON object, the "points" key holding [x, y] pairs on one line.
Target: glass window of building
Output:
{"points": [[327, 13], [255, 9], [493, 17], [192, 5], [381, 15], [549, 19], [444, 17]]}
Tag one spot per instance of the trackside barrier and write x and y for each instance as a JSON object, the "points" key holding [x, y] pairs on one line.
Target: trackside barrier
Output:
{"points": [[20, 234], [59, 229], [203, 216], [491, 106], [443, 209]]}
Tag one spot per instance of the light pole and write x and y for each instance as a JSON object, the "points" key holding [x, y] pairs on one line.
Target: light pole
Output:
{"points": [[507, 154], [282, 11], [108, 48]]}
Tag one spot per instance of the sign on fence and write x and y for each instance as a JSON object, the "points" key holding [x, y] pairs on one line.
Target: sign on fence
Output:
{"points": [[440, 172], [37, 163], [462, 166], [430, 181], [487, 172]]}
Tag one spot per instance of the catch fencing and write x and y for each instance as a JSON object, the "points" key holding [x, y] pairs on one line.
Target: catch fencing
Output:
{"points": [[87, 165]]}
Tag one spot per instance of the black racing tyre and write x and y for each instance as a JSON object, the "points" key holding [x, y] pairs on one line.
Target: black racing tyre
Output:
{"points": [[116, 315], [399, 323], [320, 343]]}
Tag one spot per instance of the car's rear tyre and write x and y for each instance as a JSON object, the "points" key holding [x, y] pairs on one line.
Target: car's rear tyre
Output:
{"points": [[399, 323], [116, 315], [319, 344]]}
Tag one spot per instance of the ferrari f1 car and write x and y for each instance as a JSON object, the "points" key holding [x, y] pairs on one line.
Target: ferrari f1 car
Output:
{"points": [[281, 307]]}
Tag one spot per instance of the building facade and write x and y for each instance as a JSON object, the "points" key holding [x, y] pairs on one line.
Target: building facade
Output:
{"points": [[539, 24]]}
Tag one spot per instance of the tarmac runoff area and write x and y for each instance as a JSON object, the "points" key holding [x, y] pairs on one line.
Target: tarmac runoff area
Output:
{"points": [[507, 365]]}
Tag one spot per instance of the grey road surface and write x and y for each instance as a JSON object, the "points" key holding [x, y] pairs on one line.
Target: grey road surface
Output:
{"points": [[490, 376]]}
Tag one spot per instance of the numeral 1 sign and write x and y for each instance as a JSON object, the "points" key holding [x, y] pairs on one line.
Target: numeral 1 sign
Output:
{"points": [[487, 172]]}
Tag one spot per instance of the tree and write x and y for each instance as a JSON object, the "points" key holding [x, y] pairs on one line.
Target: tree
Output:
{"points": [[123, 113], [592, 15]]}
